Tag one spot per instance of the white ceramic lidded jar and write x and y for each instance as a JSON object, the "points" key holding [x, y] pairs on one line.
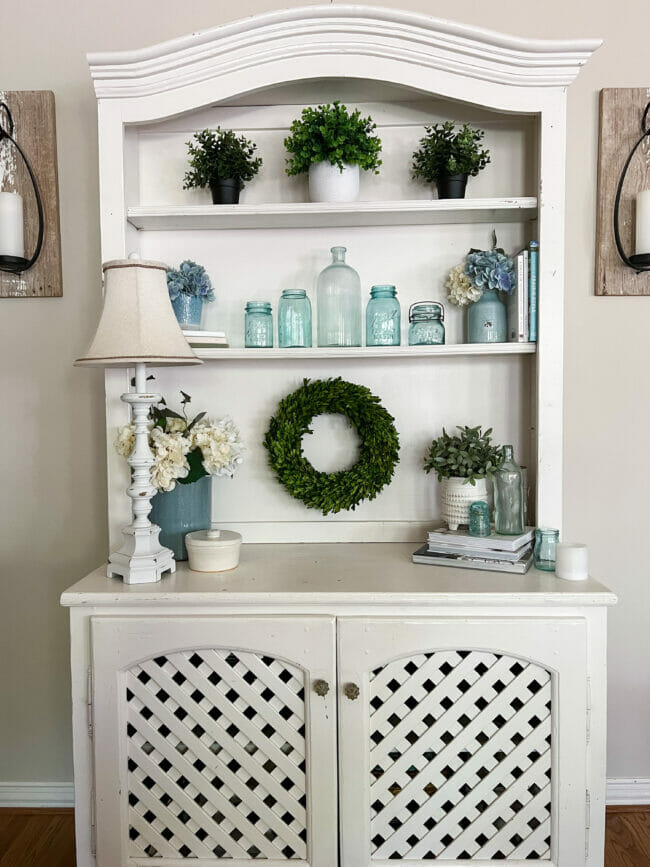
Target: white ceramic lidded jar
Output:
{"points": [[213, 550]]}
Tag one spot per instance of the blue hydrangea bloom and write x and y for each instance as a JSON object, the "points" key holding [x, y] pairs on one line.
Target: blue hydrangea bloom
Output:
{"points": [[491, 269], [189, 279]]}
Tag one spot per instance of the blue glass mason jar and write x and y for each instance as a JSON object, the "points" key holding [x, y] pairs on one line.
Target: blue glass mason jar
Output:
{"points": [[383, 317], [294, 319], [487, 320], [426, 324], [258, 325]]}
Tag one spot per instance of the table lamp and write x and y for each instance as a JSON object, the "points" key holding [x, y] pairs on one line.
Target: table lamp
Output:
{"points": [[138, 327]]}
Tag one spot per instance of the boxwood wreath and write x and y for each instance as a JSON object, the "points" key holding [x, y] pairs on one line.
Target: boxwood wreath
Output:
{"points": [[378, 450]]}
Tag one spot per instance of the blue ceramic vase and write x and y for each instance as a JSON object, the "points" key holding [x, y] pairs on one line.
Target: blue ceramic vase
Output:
{"points": [[486, 319], [188, 309], [183, 510]]}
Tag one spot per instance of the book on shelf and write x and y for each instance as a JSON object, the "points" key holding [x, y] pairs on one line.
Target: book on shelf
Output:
{"points": [[493, 542], [517, 306], [205, 339], [533, 289], [467, 561], [483, 553]]}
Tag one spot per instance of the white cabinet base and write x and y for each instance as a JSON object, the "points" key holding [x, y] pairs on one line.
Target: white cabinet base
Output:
{"points": [[451, 715]]}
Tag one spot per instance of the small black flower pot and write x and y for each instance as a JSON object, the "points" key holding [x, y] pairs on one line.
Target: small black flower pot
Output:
{"points": [[452, 187], [225, 191]]}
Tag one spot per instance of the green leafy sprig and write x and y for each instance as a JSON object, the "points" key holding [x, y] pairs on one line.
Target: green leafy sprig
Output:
{"points": [[446, 151], [378, 451], [469, 455], [332, 133], [220, 154]]}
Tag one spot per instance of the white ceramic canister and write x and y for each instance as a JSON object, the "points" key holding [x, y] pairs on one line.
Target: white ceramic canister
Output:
{"points": [[213, 550]]}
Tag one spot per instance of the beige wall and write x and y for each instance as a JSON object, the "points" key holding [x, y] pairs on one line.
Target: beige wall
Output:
{"points": [[52, 500]]}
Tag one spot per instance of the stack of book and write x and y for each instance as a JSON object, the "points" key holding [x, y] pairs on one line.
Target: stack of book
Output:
{"points": [[522, 304], [205, 339], [494, 553]]}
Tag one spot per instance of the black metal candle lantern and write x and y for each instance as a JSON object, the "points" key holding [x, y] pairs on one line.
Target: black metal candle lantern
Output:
{"points": [[640, 261], [18, 264]]}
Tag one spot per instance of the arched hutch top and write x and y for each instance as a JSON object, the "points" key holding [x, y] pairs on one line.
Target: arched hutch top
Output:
{"points": [[406, 69]]}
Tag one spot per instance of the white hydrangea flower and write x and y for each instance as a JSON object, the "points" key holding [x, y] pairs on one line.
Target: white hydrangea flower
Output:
{"points": [[170, 450], [220, 445], [460, 289], [125, 440], [175, 425]]}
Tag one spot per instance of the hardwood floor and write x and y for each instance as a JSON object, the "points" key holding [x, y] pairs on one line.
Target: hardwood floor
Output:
{"points": [[45, 838]]}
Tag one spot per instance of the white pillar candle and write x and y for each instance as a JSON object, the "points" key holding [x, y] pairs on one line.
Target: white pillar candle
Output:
{"points": [[643, 223], [571, 561], [11, 225]]}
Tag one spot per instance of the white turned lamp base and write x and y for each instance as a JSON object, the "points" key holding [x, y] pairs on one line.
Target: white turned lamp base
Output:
{"points": [[141, 559]]}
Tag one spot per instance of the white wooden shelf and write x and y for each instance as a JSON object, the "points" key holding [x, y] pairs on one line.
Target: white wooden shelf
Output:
{"points": [[309, 215], [363, 352]]}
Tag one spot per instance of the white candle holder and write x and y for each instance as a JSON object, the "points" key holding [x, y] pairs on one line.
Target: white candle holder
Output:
{"points": [[571, 561]]}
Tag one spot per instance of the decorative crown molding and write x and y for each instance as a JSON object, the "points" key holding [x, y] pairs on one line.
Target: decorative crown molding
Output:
{"points": [[315, 31]]}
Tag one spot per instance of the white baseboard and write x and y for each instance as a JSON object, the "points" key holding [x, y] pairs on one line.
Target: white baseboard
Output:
{"points": [[36, 794], [619, 791], [628, 791]]}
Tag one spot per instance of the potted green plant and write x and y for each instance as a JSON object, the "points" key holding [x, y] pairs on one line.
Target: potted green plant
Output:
{"points": [[447, 156], [332, 143], [223, 161], [463, 462]]}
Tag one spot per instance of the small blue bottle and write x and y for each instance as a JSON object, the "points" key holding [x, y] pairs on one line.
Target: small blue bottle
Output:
{"points": [[426, 324], [383, 317], [294, 319], [258, 325]]}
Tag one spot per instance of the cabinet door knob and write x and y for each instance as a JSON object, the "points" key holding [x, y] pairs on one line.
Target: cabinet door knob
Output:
{"points": [[351, 691], [321, 687]]}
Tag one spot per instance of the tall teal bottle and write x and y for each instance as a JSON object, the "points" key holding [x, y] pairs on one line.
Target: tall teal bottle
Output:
{"points": [[509, 496], [338, 303]]}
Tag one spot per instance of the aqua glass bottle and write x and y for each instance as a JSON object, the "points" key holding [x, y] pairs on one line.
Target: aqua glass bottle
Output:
{"points": [[426, 326], [338, 299], [509, 496], [383, 317], [487, 321], [258, 325], [546, 538], [294, 319]]}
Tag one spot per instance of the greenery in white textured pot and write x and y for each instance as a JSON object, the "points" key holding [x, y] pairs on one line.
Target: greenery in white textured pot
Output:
{"points": [[222, 161], [463, 462], [189, 289], [447, 157], [332, 143]]}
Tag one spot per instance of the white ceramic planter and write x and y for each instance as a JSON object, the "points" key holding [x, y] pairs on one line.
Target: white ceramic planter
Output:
{"points": [[327, 183], [457, 497]]}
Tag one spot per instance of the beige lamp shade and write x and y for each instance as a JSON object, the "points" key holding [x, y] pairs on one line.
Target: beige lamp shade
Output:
{"points": [[137, 322]]}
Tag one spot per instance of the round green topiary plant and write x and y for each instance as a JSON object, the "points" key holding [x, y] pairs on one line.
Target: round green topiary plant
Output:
{"points": [[334, 134]]}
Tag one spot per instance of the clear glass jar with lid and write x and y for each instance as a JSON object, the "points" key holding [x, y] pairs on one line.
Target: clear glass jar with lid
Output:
{"points": [[383, 317], [426, 326], [258, 325], [338, 299], [294, 319]]}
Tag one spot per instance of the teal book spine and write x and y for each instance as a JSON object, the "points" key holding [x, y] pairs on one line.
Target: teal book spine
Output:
{"points": [[533, 273]]}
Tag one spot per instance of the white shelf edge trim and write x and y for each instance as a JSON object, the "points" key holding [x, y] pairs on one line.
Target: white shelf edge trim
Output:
{"points": [[21, 794], [361, 353], [18, 794], [308, 214], [443, 45]]}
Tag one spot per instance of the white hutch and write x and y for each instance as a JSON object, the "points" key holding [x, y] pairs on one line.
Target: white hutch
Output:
{"points": [[330, 703]]}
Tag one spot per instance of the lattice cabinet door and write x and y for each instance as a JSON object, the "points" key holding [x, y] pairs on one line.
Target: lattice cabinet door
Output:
{"points": [[462, 740], [215, 740]]}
